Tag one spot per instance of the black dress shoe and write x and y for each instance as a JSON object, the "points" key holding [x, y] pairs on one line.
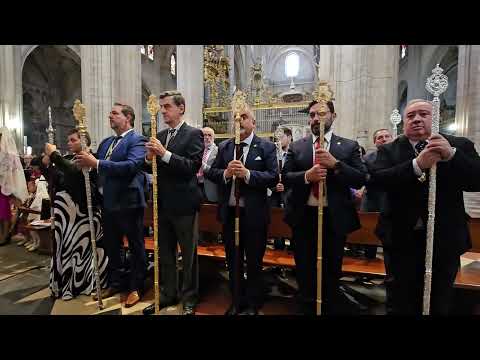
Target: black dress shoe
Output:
{"points": [[188, 309], [232, 310], [164, 302], [250, 311]]}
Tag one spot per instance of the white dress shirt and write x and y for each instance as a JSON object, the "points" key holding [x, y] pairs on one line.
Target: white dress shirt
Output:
{"points": [[312, 200], [246, 148]]}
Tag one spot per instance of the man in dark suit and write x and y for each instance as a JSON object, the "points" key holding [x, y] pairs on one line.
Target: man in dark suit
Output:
{"points": [[402, 169], [256, 170], [373, 200], [340, 164], [179, 149], [121, 182]]}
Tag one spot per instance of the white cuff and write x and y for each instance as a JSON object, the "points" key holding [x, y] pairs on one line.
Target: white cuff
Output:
{"points": [[452, 154], [305, 176], [224, 178], [166, 157], [98, 164], [247, 177], [416, 168]]}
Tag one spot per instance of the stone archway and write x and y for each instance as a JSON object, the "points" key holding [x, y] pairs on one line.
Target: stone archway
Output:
{"points": [[51, 76]]}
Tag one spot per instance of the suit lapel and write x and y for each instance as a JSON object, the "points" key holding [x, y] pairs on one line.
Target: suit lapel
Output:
{"points": [[406, 149], [335, 147], [252, 151], [308, 150], [162, 136], [122, 142]]}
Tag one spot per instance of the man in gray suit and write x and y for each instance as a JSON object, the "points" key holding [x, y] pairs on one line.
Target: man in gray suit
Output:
{"points": [[209, 188]]}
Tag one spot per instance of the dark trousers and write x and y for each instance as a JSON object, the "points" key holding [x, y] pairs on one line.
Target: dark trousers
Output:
{"points": [[116, 225], [253, 242], [305, 240], [408, 269], [173, 230]]}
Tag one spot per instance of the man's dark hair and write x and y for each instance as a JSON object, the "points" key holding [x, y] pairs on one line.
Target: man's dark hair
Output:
{"points": [[36, 161], [127, 110], [376, 132], [76, 131], [177, 97], [329, 104], [287, 132]]}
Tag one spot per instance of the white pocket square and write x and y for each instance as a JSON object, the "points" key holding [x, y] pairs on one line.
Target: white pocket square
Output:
{"points": [[258, 158]]}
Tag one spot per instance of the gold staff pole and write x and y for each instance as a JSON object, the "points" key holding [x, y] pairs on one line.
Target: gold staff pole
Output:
{"points": [[322, 95], [238, 106], [436, 84], [79, 113], [153, 108]]}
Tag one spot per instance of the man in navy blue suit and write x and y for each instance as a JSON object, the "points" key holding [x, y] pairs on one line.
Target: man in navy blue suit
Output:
{"points": [[121, 182], [256, 170], [339, 164]]}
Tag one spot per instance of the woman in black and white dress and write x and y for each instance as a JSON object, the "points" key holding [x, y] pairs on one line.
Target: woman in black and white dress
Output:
{"points": [[71, 271]]}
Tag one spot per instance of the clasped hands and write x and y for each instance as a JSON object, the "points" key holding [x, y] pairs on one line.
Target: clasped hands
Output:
{"points": [[437, 149], [235, 168], [154, 148], [319, 171]]}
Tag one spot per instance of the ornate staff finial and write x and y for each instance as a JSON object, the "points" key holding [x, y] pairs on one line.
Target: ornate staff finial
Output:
{"points": [[395, 119], [79, 113], [436, 84], [152, 105], [50, 130], [323, 95], [239, 104]]}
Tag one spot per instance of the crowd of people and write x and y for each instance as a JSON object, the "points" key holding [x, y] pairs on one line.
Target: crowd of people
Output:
{"points": [[192, 169]]}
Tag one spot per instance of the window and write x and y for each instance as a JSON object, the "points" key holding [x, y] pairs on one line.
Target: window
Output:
{"points": [[142, 49], [292, 65], [403, 51], [173, 65], [150, 52]]}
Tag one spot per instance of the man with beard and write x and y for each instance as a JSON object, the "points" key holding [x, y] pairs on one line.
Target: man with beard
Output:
{"points": [[339, 163], [402, 169], [256, 170]]}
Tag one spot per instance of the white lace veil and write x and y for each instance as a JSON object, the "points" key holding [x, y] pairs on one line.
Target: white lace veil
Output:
{"points": [[12, 177]]}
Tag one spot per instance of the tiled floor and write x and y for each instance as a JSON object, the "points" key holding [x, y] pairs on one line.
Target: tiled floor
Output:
{"points": [[24, 290]]}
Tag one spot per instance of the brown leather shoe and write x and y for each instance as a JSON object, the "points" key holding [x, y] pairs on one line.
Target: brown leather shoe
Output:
{"points": [[132, 299], [106, 293]]}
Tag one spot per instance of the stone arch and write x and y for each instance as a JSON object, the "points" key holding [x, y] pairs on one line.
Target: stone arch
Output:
{"points": [[27, 49], [51, 76]]}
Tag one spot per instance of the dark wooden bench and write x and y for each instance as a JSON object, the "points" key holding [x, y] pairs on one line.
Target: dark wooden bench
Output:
{"points": [[468, 277]]}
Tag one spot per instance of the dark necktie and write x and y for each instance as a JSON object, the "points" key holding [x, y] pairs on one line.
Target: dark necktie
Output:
{"points": [[317, 161], [171, 132], [420, 146]]}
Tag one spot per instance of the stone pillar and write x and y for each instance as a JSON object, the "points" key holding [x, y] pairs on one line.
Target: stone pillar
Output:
{"points": [[363, 79], [110, 73], [11, 92], [468, 108], [190, 81]]}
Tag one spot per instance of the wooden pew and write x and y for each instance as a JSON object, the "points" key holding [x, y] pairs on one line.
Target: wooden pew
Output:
{"points": [[467, 278]]}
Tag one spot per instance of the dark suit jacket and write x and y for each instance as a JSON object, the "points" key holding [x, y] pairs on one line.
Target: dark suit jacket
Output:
{"points": [[263, 174], [122, 177], [351, 174], [407, 197], [178, 191]]}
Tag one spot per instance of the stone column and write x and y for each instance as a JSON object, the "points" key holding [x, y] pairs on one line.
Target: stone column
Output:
{"points": [[11, 92], [190, 81], [363, 78], [110, 73], [468, 108]]}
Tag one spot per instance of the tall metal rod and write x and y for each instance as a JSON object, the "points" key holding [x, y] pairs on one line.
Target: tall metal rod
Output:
{"points": [[51, 183], [79, 113], [436, 84], [238, 106], [322, 95], [153, 109]]}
